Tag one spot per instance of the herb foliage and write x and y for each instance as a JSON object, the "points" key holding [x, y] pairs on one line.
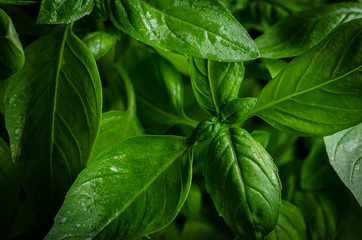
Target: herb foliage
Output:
{"points": [[180, 119]]}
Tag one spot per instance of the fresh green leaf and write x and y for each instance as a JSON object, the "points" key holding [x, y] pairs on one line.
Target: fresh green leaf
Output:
{"points": [[345, 153], [319, 213], [205, 130], [290, 225], [180, 62], [12, 54], [316, 172], [99, 43], [159, 90], [319, 92], [53, 108], [274, 66], [299, 32], [9, 189], [261, 136], [243, 182], [237, 111], [63, 11], [215, 83], [200, 28], [134, 190]]}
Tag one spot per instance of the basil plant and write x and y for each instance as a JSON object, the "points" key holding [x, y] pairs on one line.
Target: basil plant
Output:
{"points": [[180, 119]]}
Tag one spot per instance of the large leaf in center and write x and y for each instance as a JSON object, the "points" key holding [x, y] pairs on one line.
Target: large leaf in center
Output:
{"points": [[53, 109], [200, 28], [243, 183], [135, 189]]}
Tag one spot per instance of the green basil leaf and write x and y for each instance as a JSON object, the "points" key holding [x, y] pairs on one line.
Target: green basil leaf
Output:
{"points": [[99, 43], [63, 11], [274, 66], [116, 126], [135, 189], [319, 213], [315, 102], [159, 90], [53, 108], [215, 83], [261, 136], [9, 189], [205, 130], [290, 225], [316, 172], [196, 28], [243, 183], [299, 32], [180, 62], [262, 14], [237, 111], [345, 153], [12, 54]]}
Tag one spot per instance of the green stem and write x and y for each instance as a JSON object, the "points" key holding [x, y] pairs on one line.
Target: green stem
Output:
{"points": [[131, 95]]}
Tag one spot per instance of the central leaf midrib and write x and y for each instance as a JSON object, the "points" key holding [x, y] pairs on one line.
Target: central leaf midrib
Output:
{"points": [[272, 103], [152, 180], [239, 172], [60, 61]]}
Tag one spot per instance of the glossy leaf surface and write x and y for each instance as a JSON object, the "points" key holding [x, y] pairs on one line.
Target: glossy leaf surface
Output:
{"points": [[290, 225], [243, 183], [237, 111], [345, 153], [205, 130], [99, 43], [133, 190], [215, 83], [180, 62], [299, 32], [319, 92], [274, 66], [159, 90], [261, 136], [9, 189], [200, 28], [12, 54], [63, 11], [53, 109]]}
